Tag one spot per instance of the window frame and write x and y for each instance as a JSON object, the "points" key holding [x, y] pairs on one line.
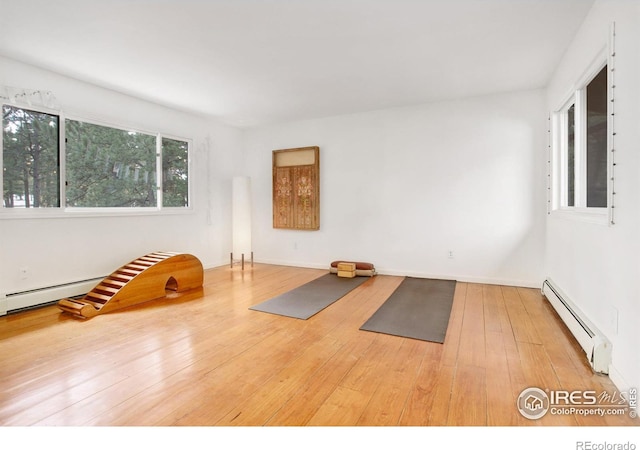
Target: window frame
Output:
{"points": [[559, 171], [63, 210]]}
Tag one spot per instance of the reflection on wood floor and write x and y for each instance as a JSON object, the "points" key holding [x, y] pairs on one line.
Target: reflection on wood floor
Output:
{"points": [[209, 360]]}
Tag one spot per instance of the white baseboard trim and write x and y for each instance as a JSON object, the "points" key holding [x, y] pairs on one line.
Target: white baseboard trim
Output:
{"points": [[213, 265], [292, 264], [463, 278], [40, 296], [407, 273], [619, 381]]}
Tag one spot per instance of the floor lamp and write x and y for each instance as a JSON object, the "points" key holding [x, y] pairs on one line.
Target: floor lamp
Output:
{"points": [[241, 219]]}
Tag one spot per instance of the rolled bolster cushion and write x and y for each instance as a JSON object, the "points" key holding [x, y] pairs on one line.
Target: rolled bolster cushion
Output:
{"points": [[359, 265], [363, 269], [359, 273]]}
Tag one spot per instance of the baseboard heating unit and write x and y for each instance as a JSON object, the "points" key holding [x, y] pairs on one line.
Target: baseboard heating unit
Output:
{"points": [[595, 344], [16, 301]]}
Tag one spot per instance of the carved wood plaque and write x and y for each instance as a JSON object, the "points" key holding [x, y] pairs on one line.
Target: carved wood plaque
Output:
{"points": [[296, 188]]}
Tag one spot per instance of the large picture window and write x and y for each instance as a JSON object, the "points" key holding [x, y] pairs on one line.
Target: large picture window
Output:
{"points": [[582, 152], [107, 167], [89, 166]]}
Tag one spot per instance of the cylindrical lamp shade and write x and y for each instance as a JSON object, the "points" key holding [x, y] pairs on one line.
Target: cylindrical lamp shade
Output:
{"points": [[241, 216]]}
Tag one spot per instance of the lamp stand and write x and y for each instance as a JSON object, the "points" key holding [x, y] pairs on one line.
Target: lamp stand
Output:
{"points": [[231, 260]]}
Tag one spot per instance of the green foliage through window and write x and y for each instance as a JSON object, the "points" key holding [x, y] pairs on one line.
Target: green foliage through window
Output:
{"points": [[30, 159], [109, 168], [105, 167], [175, 173]]}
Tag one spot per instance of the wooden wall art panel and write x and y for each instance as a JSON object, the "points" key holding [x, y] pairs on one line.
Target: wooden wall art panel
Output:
{"points": [[296, 188]]}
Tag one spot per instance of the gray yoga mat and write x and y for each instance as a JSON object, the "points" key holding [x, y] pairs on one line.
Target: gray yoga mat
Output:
{"points": [[419, 308], [310, 298]]}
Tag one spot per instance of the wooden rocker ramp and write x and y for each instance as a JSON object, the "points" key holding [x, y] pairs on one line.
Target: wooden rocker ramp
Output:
{"points": [[143, 279]]}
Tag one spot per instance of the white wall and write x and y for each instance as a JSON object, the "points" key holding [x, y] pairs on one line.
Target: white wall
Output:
{"points": [[598, 266], [62, 250], [401, 188]]}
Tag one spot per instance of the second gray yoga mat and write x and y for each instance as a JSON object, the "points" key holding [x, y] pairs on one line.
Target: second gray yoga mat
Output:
{"points": [[419, 308], [310, 298]]}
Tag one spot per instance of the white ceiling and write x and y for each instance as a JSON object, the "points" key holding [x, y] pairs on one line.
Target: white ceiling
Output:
{"points": [[252, 62]]}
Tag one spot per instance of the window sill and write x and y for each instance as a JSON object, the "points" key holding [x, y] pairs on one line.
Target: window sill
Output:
{"points": [[598, 216], [57, 213]]}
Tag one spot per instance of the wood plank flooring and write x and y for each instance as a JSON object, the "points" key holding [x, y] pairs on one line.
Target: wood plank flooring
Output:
{"points": [[206, 359]]}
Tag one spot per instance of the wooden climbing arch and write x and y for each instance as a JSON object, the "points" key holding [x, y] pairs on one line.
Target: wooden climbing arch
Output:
{"points": [[143, 279]]}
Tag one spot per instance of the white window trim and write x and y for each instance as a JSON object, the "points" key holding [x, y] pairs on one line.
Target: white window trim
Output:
{"points": [[559, 168], [64, 211], [561, 177]]}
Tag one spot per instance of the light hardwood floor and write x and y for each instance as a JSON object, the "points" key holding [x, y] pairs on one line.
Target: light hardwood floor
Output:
{"points": [[206, 359]]}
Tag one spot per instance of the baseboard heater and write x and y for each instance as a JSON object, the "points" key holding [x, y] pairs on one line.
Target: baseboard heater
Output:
{"points": [[17, 301], [595, 344]]}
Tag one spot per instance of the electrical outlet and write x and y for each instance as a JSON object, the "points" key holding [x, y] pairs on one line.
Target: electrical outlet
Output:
{"points": [[450, 254]]}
